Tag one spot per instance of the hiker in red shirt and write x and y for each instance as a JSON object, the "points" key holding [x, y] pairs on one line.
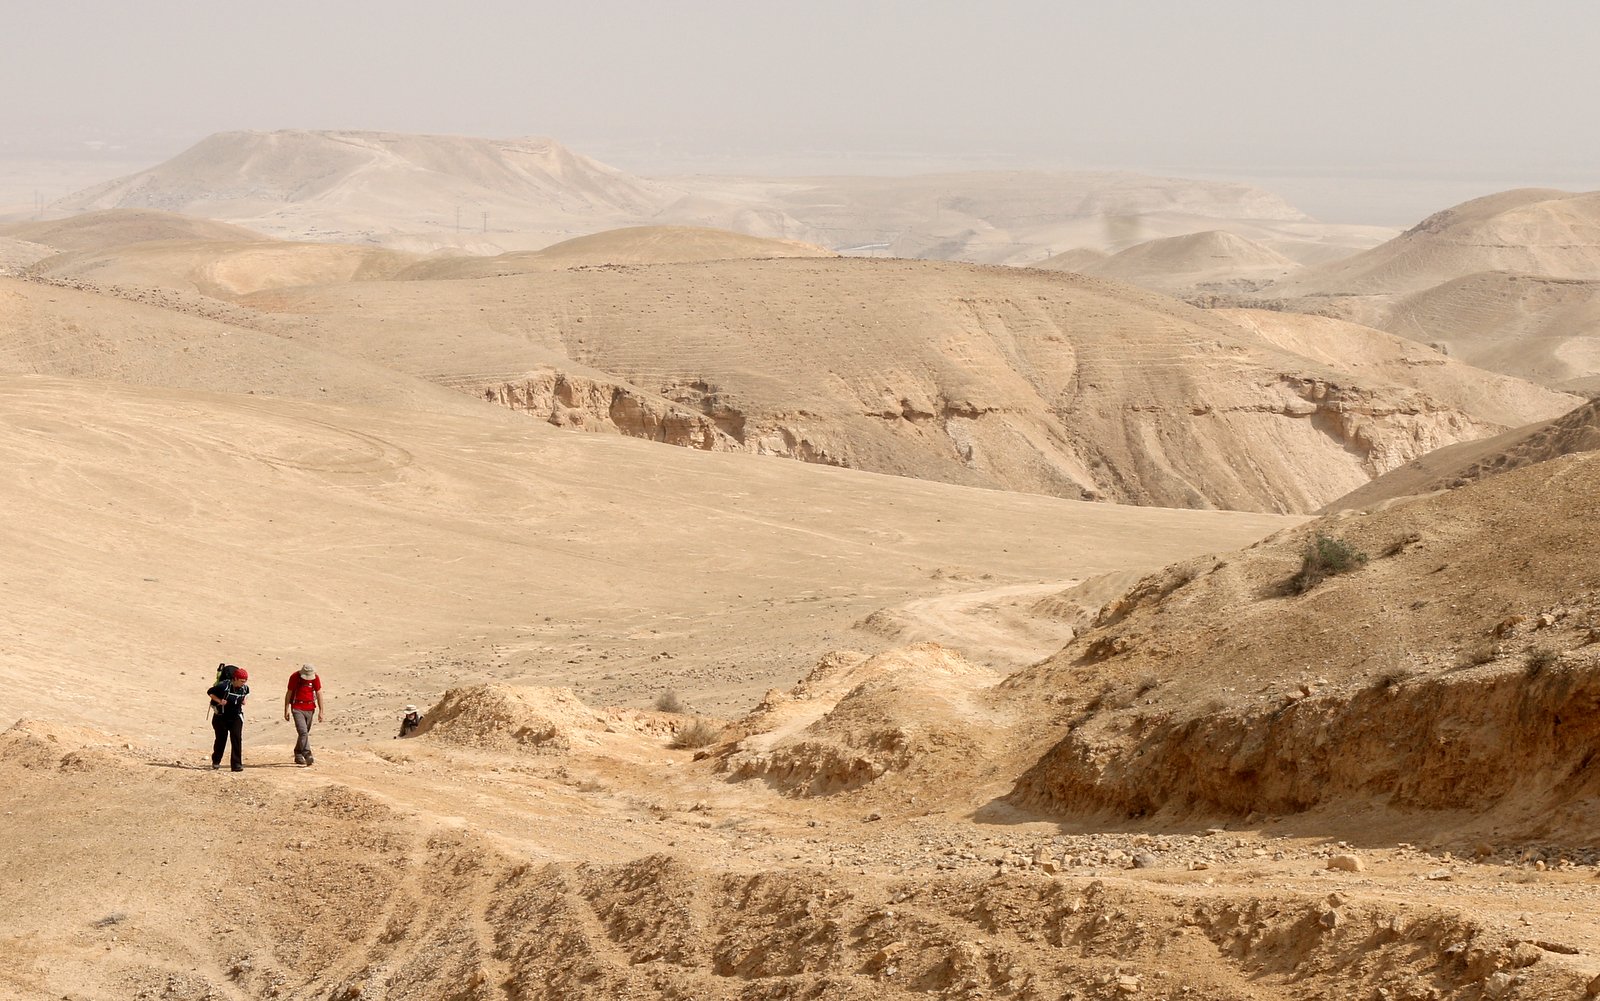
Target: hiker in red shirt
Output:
{"points": [[303, 698]]}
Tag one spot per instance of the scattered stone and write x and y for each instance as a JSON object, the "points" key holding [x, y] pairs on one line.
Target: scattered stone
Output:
{"points": [[1144, 860], [1497, 985], [1346, 863], [1439, 875], [1329, 919], [1128, 985]]}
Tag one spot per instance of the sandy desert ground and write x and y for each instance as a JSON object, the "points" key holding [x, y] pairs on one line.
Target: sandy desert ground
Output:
{"points": [[936, 734]]}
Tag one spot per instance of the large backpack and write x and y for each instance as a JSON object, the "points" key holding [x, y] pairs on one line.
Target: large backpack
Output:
{"points": [[224, 673]]}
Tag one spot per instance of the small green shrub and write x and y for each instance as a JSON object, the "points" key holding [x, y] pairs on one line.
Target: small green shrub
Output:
{"points": [[1480, 653], [697, 734], [668, 702], [1325, 557]]}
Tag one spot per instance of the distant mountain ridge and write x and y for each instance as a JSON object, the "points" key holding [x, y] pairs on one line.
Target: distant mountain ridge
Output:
{"points": [[486, 196], [276, 181]]}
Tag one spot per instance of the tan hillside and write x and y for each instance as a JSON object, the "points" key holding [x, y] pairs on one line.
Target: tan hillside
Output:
{"points": [[1531, 326], [155, 339], [117, 227], [226, 269], [1194, 260], [1006, 378], [1073, 260], [15, 255], [1502, 282], [1468, 462], [1529, 231], [632, 245], [1449, 672], [1372, 355]]}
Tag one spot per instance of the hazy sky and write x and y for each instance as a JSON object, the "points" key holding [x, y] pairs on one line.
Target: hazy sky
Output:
{"points": [[1467, 93]]}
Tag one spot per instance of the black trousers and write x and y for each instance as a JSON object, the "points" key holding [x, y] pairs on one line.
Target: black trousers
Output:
{"points": [[226, 727]]}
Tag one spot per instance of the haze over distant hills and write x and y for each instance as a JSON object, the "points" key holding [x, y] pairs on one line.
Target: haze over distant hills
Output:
{"points": [[420, 193]]}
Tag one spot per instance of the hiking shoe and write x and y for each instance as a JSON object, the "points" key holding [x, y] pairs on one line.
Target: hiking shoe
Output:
{"points": [[216, 766], [300, 759], [238, 768], [310, 760]]}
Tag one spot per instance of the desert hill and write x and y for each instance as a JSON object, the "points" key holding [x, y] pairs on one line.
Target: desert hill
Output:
{"points": [[1529, 231], [989, 377], [1375, 356], [1076, 260], [1503, 282], [379, 185], [631, 245], [1458, 465], [118, 227], [1532, 326], [154, 339], [15, 255], [1191, 261], [224, 269]]}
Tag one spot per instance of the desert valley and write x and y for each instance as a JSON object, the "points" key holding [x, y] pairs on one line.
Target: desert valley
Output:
{"points": [[1010, 584]]}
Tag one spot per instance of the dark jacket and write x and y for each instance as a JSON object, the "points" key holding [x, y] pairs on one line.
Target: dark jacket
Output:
{"points": [[233, 699]]}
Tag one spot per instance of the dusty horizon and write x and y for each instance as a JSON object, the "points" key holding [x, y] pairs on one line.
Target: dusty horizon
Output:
{"points": [[1364, 115]]}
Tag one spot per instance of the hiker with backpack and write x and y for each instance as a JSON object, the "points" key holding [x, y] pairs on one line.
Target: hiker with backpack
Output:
{"points": [[227, 713], [409, 722], [302, 699]]}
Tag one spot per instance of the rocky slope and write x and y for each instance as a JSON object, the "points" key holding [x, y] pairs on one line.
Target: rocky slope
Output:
{"points": [[1453, 667], [995, 377]]}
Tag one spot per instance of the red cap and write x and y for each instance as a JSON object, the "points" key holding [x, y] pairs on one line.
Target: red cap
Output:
{"points": [[241, 675]]}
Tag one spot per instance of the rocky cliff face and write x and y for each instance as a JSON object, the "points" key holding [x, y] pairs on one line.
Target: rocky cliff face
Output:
{"points": [[1149, 454]]}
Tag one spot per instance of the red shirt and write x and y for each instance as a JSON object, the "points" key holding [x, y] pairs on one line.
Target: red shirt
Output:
{"points": [[303, 693]]}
